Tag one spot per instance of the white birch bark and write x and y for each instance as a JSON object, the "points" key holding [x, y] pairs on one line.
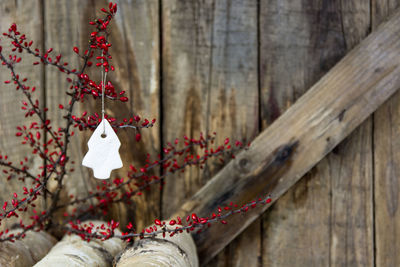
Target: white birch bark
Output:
{"points": [[27, 251], [176, 251], [73, 251]]}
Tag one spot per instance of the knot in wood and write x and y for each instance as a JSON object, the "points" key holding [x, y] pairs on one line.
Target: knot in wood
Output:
{"points": [[285, 152], [244, 165]]}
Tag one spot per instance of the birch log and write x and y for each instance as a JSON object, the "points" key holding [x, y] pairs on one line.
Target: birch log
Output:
{"points": [[73, 251], [27, 251], [176, 251]]}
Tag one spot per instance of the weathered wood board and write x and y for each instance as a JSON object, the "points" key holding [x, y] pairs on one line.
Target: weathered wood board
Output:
{"points": [[70, 18], [210, 84], [299, 43], [28, 18], [136, 49], [386, 149], [135, 54]]}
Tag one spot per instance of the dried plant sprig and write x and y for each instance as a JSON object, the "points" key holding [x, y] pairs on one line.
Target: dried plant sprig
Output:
{"points": [[191, 223]]}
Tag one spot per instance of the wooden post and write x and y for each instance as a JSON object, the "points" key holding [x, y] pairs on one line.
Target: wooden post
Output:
{"points": [[302, 136]]}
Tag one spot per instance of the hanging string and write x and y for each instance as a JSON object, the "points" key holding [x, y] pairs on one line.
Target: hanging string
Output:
{"points": [[103, 81]]}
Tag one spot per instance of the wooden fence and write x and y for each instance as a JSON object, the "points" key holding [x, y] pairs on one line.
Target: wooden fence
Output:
{"points": [[232, 66]]}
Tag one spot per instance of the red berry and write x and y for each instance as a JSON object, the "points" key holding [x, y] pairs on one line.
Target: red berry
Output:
{"points": [[138, 136]]}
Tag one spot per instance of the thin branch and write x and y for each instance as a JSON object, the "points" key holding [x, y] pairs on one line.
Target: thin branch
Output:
{"points": [[29, 98], [44, 59]]}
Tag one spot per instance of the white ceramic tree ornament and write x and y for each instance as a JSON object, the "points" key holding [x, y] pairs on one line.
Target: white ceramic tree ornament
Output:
{"points": [[103, 155]]}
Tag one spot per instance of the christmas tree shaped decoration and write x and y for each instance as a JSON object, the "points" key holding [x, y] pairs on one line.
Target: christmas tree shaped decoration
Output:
{"points": [[103, 155]]}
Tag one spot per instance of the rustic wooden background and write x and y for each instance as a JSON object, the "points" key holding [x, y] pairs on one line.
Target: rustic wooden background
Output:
{"points": [[233, 66]]}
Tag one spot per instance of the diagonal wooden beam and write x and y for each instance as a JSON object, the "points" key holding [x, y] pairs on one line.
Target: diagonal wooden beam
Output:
{"points": [[302, 136]]}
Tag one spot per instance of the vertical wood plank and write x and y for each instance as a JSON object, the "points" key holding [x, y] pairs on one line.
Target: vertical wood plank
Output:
{"points": [[352, 240], [135, 49], [386, 160], [186, 59], [65, 27], [326, 219], [351, 214], [209, 84], [28, 17]]}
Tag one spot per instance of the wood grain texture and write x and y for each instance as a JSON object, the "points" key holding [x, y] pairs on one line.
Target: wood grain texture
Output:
{"points": [[209, 57], [386, 162], [66, 24], [351, 211], [327, 220], [28, 18], [303, 135], [300, 41], [135, 38], [386, 143], [135, 50], [209, 84]]}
